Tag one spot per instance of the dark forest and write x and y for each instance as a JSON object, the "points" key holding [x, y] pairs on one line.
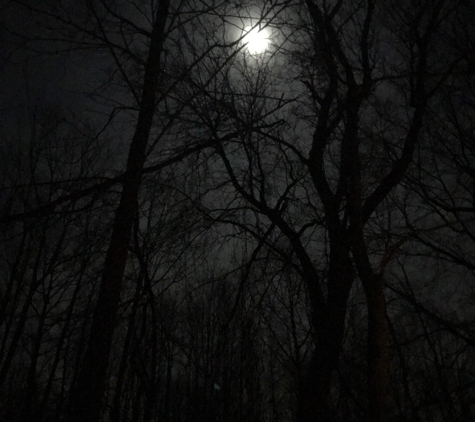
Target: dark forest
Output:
{"points": [[250, 211]]}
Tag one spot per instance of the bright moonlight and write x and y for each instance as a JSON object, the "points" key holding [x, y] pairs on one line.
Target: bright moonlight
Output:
{"points": [[257, 40]]}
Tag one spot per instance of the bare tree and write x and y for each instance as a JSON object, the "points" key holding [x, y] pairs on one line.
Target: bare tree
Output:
{"points": [[291, 161], [340, 162]]}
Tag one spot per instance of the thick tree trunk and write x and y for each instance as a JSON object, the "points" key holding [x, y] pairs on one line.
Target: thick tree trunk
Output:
{"points": [[87, 394], [313, 403], [378, 333], [329, 326], [378, 351]]}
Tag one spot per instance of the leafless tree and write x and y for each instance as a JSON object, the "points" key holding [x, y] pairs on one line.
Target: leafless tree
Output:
{"points": [[205, 271], [362, 78]]}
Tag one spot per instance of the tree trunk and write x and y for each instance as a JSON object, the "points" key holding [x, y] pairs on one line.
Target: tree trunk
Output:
{"points": [[378, 351], [329, 326], [378, 333], [313, 403], [87, 394]]}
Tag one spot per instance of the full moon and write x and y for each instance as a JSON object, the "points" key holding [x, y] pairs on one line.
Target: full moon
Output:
{"points": [[257, 40]]}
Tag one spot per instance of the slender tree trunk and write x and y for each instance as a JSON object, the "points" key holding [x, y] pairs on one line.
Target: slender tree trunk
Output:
{"points": [[22, 319], [115, 412], [59, 347], [168, 392], [30, 409], [87, 394]]}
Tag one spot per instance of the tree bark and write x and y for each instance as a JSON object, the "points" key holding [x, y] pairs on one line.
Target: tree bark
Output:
{"points": [[313, 402], [329, 326], [378, 351]]}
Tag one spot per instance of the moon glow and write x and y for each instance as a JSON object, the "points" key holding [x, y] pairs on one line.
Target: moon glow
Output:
{"points": [[257, 40]]}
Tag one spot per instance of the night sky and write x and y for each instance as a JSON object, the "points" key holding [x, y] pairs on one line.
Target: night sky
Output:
{"points": [[194, 229]]}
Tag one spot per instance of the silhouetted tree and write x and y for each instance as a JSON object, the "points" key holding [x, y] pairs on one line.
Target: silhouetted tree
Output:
{"points": [[205, 234]]}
